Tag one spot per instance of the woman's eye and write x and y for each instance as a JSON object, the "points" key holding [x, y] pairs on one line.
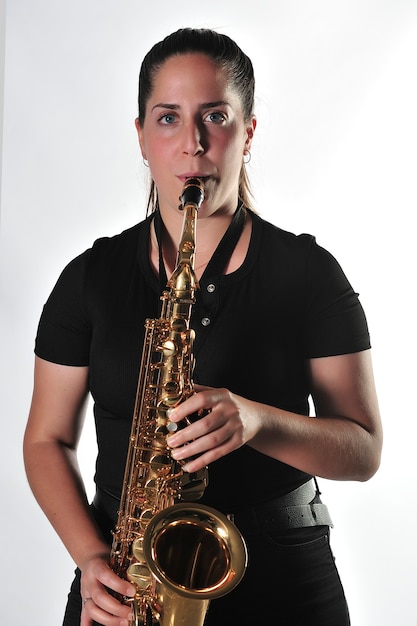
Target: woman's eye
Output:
{"points": [[216, 117], [167, 118]]}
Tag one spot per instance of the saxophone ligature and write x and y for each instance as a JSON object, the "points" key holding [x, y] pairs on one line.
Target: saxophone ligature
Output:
{"points": [[177, 553]]}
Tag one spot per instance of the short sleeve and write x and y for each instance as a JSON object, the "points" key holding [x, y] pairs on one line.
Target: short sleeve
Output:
{"points": [[335, 320], [64, 331]]}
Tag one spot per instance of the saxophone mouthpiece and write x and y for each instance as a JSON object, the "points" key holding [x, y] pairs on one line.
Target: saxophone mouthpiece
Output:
{"points": [[192, 193]]}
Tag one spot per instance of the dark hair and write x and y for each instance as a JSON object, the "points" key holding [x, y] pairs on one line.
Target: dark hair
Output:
{"points": [[224, 52]]}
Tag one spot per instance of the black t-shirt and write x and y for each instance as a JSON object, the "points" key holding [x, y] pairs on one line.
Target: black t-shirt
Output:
{"points": [[288, 302]]}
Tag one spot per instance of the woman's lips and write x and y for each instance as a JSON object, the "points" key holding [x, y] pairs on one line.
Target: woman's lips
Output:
{"points": [[184, 177]]}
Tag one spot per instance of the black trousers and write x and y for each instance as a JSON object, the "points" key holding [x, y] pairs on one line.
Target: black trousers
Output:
{"points": [[291, 580]]}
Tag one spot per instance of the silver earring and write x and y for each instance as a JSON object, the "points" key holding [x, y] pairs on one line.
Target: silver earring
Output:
{"points": [[247, 156], [145, 162]]}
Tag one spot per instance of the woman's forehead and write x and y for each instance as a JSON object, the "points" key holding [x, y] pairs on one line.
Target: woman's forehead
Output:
{"points": [[187, 74]]}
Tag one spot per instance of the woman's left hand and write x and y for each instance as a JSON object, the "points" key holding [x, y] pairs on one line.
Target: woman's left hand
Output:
{"points": [[228, 422], [342, 442]]}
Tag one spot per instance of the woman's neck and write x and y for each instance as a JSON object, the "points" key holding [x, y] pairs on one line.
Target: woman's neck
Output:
{"points": [[209, 232]]}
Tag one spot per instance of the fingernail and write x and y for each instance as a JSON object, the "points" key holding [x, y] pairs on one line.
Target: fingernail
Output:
{"points": [[171, 440]]}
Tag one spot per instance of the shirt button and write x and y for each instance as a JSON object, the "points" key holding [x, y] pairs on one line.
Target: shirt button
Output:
{"points": [[211, 288], [205, 321]]}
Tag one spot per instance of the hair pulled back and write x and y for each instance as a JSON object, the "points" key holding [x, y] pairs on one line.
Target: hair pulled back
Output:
{"points": [[225, 53]]}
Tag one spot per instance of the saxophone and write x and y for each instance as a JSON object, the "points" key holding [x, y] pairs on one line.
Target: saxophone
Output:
{"points": [[178, 554]]}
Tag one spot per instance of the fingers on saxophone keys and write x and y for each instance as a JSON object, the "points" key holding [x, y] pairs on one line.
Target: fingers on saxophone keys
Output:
{"points": [[184, 437], [194, 405]]}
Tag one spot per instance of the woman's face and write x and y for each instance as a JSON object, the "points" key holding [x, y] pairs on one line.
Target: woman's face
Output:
{"points": [[194, 126]]}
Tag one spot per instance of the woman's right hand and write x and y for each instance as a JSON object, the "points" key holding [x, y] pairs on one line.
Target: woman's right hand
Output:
{"points": [[98, 581], [51, 438]]}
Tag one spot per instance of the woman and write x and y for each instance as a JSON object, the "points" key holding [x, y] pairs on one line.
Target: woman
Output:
{"points": [[276, 321]]}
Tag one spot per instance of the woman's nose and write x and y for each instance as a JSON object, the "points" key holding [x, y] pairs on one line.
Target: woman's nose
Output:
{"points": [[193, 139]]}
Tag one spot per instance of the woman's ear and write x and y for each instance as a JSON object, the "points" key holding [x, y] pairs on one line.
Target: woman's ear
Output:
{"points": [[250, 131], [140, 137]]}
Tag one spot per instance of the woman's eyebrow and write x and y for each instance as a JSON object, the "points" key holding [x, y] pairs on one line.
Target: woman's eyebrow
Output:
{"points": [[204, 105], [163, 105], [211, 105]]}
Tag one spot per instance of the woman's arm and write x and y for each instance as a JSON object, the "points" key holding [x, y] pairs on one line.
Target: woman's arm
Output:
{"points": [[51, 438], [343, 442]]}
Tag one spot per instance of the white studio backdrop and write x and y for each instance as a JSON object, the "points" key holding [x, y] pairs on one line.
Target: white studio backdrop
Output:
{"points": [[334, 155]]}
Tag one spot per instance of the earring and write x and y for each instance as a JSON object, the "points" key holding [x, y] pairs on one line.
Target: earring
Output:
{"points": [[247, 156], [145, 162]]}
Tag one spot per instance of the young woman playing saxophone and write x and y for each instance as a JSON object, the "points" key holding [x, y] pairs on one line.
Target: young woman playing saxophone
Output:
{"points": [[276, 321]]}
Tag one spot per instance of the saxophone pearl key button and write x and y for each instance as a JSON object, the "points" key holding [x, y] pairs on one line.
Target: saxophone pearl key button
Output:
{"points": [[205, 321]]}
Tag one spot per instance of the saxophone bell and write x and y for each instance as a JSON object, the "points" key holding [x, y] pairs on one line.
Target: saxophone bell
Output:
{"points": [[195, 554]]}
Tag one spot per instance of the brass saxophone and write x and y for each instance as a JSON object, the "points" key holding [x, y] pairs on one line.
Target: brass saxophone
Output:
{"points": [[178, 556]]}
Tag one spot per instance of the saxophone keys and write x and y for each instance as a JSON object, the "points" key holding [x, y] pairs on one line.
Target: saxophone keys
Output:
{"points": [[169, 348], [139, 575], [137, 550]]}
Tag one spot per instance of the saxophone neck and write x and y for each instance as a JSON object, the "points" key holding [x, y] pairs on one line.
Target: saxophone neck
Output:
{"points": [[191, 199], [183, 279], [186, 248]]}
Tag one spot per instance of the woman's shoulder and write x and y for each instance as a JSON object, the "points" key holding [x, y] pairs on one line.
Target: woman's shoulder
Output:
{"points": [[300, 252], [272, 230], [279, 241], [126, 240], [107, 256], [110, 251]]}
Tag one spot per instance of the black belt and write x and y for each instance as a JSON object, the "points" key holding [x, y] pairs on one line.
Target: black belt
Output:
{"points": [[298, 509]]}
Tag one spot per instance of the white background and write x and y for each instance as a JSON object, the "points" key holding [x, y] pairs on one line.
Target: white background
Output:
{"points": [[334, 155]]}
